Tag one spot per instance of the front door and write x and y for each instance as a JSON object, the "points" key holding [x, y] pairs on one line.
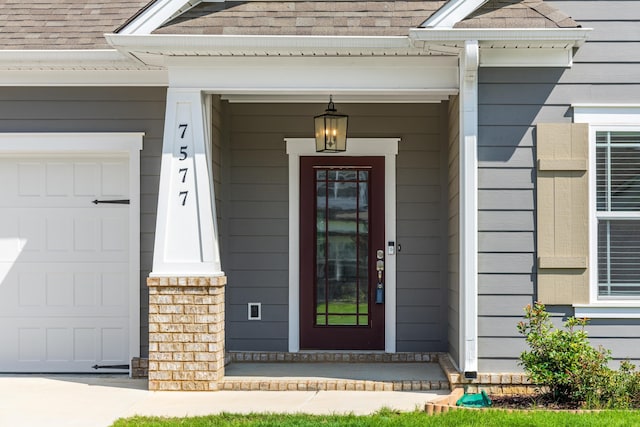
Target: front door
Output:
{"points": [[342, 253]]}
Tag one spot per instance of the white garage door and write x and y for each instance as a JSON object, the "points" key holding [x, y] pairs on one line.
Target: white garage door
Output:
{"points": [[64, 262]]}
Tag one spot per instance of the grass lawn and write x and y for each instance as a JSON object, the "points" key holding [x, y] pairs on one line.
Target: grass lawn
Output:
{"points": [[390, 418]]}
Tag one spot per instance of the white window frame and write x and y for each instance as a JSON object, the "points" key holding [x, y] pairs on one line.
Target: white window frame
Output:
{"points": [[609, 118]]}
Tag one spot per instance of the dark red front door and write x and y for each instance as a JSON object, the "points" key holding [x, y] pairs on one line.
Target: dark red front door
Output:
{"points": [[341, 246]]}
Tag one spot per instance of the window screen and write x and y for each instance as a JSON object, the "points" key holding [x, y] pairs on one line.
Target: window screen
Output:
{"points": [[618, 213]]}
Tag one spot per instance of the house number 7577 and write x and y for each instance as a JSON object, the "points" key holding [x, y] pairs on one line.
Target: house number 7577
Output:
{"points": [[183, 156]]}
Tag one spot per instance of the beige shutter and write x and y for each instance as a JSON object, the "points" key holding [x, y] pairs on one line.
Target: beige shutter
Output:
{"points": [[563, 213]]}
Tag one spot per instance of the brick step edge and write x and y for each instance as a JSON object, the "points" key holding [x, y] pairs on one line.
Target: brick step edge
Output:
{"points": [[330, 357], [330, 385]]}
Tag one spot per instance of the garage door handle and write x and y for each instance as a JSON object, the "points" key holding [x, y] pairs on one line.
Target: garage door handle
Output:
{"points": [[96, 367], [113, 202]]}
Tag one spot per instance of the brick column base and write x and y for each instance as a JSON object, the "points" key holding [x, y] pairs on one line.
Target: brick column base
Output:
{"points": [[186, 333]]}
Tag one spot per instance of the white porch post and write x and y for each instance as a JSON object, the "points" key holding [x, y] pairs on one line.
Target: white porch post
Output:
{"points": [[186, 242], [469, 61], [186, 286]]}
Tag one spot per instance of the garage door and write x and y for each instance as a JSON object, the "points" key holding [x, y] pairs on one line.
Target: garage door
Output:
{"points": [[64, 262]]}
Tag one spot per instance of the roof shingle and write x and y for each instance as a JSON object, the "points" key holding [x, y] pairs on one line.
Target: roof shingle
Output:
{"points": [[517, 14], [339, 18], [62, 24]]}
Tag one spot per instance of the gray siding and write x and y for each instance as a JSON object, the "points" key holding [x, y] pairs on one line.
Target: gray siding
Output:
{"points": [[512, 101], [113, 109], [454, 227], [217, 143], [256, 214], [255, 228]]}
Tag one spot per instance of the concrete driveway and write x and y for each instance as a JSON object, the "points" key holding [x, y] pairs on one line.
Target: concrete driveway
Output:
{"points": [[97, 401]]}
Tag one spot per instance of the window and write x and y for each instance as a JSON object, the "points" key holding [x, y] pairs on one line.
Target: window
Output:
{"points": [[617, 199]]}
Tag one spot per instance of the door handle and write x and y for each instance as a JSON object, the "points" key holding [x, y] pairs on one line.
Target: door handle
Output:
{"points": [[112, 202], [380, 271]]}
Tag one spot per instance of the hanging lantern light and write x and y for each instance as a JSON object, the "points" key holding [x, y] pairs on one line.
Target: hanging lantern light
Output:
{"points": [[331, 130]]}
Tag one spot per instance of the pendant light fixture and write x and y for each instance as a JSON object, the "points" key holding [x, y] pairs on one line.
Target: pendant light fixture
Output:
{"points": [[331, 130]]}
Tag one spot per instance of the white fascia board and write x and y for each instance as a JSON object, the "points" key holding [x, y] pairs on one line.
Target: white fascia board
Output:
{"points": [[69, 78], [452, 13], [228, 45], [156, 15], [511, 47], [82, 67], [510, 39], [561, 35], [66, 59]]}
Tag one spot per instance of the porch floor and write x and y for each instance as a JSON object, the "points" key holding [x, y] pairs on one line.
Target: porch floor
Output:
{"points": [[359, 376]]}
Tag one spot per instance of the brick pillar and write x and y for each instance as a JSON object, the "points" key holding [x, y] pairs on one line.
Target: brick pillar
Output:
{"points": [[186, 333]]}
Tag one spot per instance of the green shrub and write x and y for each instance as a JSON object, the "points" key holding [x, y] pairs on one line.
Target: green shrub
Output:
{"points": [[562, 359], [564, 362], [622, 390]]}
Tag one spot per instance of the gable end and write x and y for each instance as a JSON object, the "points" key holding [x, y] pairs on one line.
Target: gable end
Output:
{"points": [[517, 14]]}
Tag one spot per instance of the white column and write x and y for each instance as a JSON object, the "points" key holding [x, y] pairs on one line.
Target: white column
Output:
{"points": [[186, 237], [469, 62]]}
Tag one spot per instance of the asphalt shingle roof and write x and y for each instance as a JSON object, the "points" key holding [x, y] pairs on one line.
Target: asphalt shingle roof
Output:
{"points": [[80, 24], [62, 24], [339, 18]]}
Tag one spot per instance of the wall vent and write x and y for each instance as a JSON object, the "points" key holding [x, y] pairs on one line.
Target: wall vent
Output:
{"points": [[254, 311]]}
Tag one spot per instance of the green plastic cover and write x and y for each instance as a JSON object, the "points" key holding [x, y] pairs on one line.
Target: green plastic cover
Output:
{"points": [[475, 400]]}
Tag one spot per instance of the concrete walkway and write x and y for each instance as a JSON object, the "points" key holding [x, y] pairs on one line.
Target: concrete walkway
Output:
{"points": [[97, 401]]}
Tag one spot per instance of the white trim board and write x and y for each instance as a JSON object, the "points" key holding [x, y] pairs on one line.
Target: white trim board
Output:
{"points": [[31, 142], [95, 143], [374, 75], [77, 67], [607, 311], [65, 78], [468, 210], [607, 114], [386, 97], [297, 147]]}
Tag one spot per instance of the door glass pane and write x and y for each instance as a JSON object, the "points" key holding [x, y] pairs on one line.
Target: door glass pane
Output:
{"points": [[342, 247]]}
